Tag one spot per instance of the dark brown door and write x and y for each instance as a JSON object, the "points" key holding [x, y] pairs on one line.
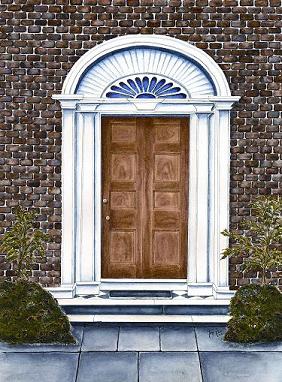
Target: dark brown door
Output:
{"points": [[145, 192]]}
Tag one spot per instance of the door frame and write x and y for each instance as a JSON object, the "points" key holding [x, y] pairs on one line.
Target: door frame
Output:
{"points": [[142, 109], [209, 158], [208, 196]]}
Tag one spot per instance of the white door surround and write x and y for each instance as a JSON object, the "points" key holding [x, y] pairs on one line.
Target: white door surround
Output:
{"points": [[103, 82]]}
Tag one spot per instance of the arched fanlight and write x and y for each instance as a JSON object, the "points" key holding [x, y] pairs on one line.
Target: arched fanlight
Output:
{"points": [[146, 87]]}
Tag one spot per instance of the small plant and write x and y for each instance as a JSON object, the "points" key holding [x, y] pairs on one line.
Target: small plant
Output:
{"points": [[256, 310], [256, 314], [23, 242], [28, 313], [263, 238]]}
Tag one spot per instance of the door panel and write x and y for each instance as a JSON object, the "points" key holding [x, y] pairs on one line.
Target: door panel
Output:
{"points": [[166, 154], [122, 246], [122, 200], [122, 193], [168, 200], [165, 248], [145, 183], [167, 167]]}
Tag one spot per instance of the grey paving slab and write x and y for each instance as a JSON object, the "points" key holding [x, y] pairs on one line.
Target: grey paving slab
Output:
{"points": [[178, 338], [139, 338], [100, 338], [210, 338], [169, 367], [39, 348], [108, 367], [242, 366], [34, 367]]}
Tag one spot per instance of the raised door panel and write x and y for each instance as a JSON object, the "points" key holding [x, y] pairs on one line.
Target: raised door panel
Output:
{"points": [[165, 248], [121, 191], [123, 199], [167, 194], [122, 247], [123, 167], [167, 167], [168, 200]]}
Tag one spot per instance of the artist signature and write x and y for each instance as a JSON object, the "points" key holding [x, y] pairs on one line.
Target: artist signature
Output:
{"points": [[215, 333]]}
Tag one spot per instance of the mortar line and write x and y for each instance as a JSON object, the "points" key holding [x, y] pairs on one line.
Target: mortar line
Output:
{"points": [[198, 352], [78, 364], [79, 354], [118, 338]]}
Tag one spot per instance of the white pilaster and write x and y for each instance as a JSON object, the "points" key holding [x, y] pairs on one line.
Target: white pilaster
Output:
{"points": [[98, 196], [198, 226], [192, 205], [219, 197], [223, 191], [85, 279], [68, 199]]}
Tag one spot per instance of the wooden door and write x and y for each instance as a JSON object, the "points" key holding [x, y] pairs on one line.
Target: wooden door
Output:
{"points": [[145, 193]]}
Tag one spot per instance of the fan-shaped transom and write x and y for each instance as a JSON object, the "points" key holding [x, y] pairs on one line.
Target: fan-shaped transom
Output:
{"points": [[145, 86], [145, 72]]}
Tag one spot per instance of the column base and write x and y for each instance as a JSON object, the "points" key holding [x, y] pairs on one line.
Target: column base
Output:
{"points": [[200, 289], [63, 291], [222, 293], [73, 290]]}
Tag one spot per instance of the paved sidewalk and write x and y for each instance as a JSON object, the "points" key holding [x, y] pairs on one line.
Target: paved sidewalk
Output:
{"points": [[143, 353]]}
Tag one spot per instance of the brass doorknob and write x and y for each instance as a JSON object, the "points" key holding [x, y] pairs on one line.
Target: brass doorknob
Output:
{"points": [[107, 217]]}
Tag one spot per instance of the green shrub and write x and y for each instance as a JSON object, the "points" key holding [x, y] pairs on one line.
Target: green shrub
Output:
{"points": [[256, 314], [256, 310], [29, 314]]}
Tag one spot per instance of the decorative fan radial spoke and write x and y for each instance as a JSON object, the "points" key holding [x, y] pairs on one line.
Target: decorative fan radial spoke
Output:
{"points": [[145, 87]]}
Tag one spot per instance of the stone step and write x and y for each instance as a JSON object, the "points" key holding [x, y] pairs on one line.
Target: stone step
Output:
{"points": [[146, 309], [149, 318]]}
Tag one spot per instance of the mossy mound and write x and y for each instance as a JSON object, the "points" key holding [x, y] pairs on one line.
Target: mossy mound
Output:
{"points": [[256, 315], [29, 314]]}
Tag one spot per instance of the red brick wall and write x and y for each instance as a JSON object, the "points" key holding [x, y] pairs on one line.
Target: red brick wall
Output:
{"points": [[42, 39]]}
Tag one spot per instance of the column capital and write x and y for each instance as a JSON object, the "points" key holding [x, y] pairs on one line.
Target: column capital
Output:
{"points": [[67, 101]]}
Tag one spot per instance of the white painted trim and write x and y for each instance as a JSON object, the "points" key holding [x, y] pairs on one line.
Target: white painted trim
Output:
{"points": [[124, 318], [222, 293], [202, 289], [201, 198], [98, 196], [193, 186], [63, 292], [68, 197], [85, 199], [155, 41], [208, 176], [203, 258], [126, 65], [179, 301], [145, 284], [202, 294]]}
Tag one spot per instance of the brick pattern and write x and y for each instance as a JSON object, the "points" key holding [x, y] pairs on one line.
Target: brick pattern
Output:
{"points": [[42, 39]]}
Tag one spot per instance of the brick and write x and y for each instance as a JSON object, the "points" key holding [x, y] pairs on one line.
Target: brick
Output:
{"points": [[40, 42]]}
